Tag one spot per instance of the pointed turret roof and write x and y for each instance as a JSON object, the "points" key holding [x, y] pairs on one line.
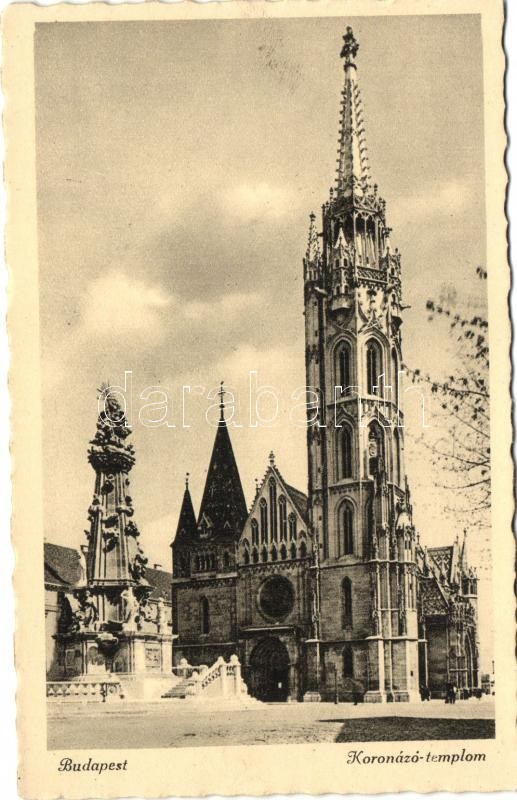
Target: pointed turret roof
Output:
{"points": [[353, 173], [223, 507], [187, 528]]}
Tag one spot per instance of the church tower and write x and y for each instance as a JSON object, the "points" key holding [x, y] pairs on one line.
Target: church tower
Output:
{"points": [[360, 512], [204, 583]]}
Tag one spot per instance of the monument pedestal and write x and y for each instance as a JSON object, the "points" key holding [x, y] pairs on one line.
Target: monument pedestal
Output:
{"points": [[90, 653]]}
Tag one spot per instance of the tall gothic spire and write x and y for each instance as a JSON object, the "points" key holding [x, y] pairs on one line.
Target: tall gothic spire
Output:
{"points": [[353, 173], [223, 507]]}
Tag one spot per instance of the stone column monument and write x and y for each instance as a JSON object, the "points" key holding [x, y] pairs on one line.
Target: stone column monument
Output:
{"points": [[109, 624]]}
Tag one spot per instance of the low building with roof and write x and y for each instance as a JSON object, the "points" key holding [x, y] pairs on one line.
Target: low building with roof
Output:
{"points": [[64, 574]]}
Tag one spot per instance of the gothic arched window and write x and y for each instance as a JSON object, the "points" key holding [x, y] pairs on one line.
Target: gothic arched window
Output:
{"points": [[274, 554], [246, 556], [303, 550], [264, 555], [345, 453], [205, 615], [347, 529], [344, 372], [273, 509], [292, 526], [255, 555], [348, 662], [226, 559], [254, 532], [293, 550], [263, 521], [373, 367], [346, 602], [283, 552], [283, 517]]}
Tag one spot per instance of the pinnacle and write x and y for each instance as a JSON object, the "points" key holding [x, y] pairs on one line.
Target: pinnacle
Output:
{"points": [[313, 252]]}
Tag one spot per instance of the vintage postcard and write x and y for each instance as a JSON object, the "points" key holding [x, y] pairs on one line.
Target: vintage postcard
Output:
{"points": [[262, 481]]}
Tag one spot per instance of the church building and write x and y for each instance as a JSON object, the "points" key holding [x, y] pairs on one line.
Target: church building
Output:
{"points": [[331, 594]]}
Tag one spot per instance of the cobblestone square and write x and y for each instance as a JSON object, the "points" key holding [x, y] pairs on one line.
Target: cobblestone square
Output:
{"points": [[177, 724]]}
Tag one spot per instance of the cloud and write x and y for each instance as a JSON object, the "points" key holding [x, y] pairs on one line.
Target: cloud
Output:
{"points": [[259, 200], [115, 309], [446, 199], [121, 304], [229, 305]]}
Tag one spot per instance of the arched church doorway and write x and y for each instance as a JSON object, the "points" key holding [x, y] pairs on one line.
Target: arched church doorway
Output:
{"points": [[268, 678]]}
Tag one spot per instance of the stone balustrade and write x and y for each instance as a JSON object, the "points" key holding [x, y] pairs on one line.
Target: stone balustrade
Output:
{"points": [[84, 690], [221, 679]]}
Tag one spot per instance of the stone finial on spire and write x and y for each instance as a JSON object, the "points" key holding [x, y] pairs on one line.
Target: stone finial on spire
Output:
{"points": [[350, 47], [221, 393], [271, 459], [187, 476]]}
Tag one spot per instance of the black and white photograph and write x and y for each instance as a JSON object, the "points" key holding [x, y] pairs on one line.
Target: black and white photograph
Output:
{"points": [[266, 425]]}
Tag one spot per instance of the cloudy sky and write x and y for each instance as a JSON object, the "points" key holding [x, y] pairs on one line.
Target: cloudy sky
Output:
{"points": [[177, 164]]}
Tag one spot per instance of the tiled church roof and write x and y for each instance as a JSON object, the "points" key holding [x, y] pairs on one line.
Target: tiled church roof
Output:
{"points": [[161, 583], [300, 500], [443, 558]]}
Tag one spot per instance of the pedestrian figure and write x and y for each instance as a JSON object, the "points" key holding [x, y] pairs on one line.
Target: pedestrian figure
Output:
{"points": [[425, 694]]}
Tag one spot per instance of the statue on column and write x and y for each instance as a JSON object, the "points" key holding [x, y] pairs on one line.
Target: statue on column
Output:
{"points": [[130, 606], [160, 614], [81, 611]]}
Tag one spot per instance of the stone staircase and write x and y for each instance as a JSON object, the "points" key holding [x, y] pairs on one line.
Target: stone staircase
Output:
{"points": [[178, 692], [223, 679]]}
